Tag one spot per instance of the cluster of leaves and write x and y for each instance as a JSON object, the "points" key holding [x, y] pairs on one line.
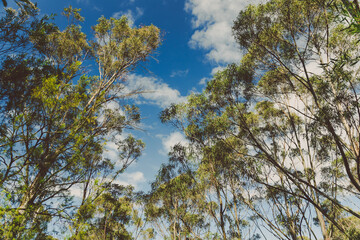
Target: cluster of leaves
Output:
{"points": [[350, 12]]}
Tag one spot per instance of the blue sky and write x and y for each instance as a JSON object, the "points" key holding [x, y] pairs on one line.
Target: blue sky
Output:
{"points": [[197, 42]]}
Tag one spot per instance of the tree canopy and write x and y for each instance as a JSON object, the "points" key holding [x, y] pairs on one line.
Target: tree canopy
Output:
{"points": [[56, 120], [275, 138], [273, 142]]}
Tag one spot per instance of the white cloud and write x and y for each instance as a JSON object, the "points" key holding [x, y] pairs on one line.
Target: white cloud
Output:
{"points": [[131, 15], [134, 179], [217, 69], [112, 105], [213, 20], [179, 73], [203, 81], [170, 141], [82, 1], [76, 191], [111, 151], [156, 92]]}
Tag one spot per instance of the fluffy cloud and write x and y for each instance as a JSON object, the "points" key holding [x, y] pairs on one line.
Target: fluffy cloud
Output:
{"points": [[155, 92], [171, 140], [135, 179], [213, 20]]}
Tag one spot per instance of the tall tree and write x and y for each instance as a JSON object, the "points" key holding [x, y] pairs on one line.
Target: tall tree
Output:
{"points": [[55, 118], [176, 205], [289, 114]]}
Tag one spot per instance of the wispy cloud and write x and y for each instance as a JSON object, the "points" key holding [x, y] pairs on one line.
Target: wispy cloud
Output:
{"points": [[82, 1], [179, 73], [204, 80], [156, 92], [132, 16]]}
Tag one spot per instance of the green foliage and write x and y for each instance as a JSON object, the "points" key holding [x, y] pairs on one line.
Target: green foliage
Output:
{"points": [[278, 131], [177, 200], [349, 13], [352, 229], [113, 212], [55, 124]]}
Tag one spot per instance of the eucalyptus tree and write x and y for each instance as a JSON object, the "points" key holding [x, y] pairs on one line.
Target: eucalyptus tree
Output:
{"points": [[289, 113], [56, 117], [176, 206]]}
